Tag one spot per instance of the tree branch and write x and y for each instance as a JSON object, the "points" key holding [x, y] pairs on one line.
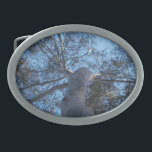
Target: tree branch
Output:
{"points": [[39, 71], [41, 48], [123, 81], [62, 50], [50, 51], [43, 83], [57, 49], [113, 76], [81, 55], [58, 87]]}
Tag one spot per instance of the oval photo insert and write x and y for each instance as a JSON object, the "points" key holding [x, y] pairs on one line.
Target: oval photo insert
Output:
{"points": [[75, 74]]}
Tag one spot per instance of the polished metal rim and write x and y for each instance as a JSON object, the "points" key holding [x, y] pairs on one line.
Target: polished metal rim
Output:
{"points": [[74, 28]]}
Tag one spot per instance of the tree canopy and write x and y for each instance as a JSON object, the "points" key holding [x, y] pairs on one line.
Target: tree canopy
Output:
{"points": [[44, 69]]}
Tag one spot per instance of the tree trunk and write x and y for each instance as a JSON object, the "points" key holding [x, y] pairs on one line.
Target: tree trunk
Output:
{"points": [[73, 104]]}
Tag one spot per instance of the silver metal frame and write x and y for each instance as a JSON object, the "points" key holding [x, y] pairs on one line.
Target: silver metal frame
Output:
{"points": [[73, 28]]}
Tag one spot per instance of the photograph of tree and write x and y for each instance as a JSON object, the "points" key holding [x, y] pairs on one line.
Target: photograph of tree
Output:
{"points": [[75, 74]]}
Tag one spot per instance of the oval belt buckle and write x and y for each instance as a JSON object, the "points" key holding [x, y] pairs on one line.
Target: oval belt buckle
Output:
{"points": [[75, 74]]}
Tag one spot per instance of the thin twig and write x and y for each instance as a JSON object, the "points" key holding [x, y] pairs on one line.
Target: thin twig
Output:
{"points": [[81, 55], [41, 48], [113, 76], [123, 81], [62, 50], [43, 83], [58, 87], [57, 49]]}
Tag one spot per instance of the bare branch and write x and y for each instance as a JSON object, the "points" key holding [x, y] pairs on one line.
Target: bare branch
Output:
{"points": [[68, 71], [120, 81], [57, 49], [36, 71], [43, 83], [21, 61], [58, 87], [42, 49], [41, 46], [62, 50], [50, 50], [113, 76], [81, 55], [62, 53]]}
